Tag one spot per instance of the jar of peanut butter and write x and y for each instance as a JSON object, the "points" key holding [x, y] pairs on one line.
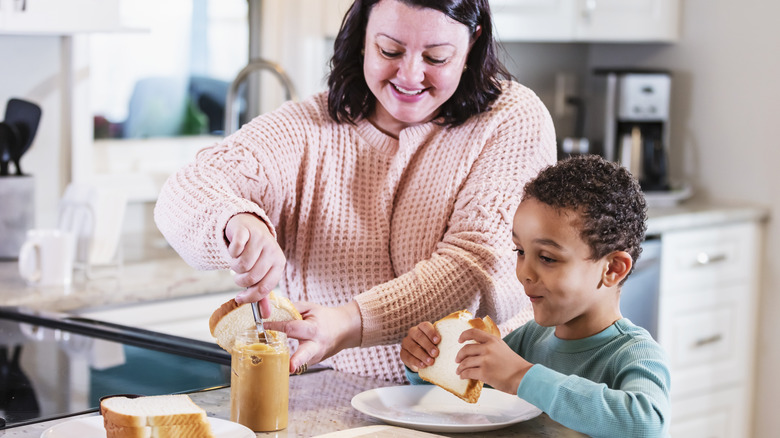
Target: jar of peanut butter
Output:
{"points": [[260, 380]]}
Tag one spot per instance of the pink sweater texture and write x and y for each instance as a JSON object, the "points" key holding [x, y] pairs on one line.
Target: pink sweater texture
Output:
{"points": [[412, 228]]}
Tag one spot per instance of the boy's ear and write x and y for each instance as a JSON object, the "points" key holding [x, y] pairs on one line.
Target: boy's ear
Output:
{"points": [[618, 266]]}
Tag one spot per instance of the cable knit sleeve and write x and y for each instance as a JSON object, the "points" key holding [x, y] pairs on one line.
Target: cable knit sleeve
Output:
{"points": [[251, 171], [472, 266]]}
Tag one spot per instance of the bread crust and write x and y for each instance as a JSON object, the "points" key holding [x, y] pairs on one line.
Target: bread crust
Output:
{"points": [[473, 387], [221, 312]]}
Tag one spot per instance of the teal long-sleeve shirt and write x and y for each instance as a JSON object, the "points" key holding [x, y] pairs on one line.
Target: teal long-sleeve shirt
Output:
{"points": [[614, 383]]}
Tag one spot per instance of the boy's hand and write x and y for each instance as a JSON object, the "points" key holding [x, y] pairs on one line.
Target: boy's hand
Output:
{"points": [[418, 349], [490, 360]]}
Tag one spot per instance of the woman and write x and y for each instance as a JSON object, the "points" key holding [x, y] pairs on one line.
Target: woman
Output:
{"points": [[381, 203]]}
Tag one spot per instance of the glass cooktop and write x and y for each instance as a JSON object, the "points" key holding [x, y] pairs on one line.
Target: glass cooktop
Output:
{"points": [[54, 365]]}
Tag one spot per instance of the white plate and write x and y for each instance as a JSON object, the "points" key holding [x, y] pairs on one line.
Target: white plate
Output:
{"points": [[430, 408], [92, 427]]}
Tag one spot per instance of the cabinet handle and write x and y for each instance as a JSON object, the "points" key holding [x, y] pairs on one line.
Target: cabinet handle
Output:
{"points": [[704, 259], [708, 340]]}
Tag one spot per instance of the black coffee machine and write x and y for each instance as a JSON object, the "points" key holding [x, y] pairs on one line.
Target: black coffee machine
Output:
{"points": [[636, 130]]}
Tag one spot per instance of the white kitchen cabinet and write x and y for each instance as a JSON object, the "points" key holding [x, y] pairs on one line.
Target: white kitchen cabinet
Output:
{"points": [[707, 324], [586, 20], [58, 17]]}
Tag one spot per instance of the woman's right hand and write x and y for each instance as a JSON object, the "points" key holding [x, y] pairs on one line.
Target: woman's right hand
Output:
{"points": [[418, 349], [257, 259]]}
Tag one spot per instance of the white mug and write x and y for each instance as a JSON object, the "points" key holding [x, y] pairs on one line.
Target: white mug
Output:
{"points": [[46, 257]]}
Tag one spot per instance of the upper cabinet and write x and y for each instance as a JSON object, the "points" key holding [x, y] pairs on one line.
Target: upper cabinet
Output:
{"points": [[58, 17], [586, 20]]}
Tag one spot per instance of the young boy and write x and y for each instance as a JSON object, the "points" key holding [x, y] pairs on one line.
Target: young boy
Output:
{"points": [[577, 235]]}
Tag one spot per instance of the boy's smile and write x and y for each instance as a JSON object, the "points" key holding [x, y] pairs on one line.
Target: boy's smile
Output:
{"points": [[554, 265]]}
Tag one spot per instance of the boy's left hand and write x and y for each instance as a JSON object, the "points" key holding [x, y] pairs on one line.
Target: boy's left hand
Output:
{"points": [[490, 360]]}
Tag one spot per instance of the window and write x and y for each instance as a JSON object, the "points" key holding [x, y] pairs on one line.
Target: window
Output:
{"points": [[170, 78]]}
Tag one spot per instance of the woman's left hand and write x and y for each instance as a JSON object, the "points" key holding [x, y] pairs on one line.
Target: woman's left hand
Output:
{"points": [[490, 360], [323, 332]]}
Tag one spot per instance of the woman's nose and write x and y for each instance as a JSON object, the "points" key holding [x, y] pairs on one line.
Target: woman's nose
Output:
{"points": [[411, 70]]}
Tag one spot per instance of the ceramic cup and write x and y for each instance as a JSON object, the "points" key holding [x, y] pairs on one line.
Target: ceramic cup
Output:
{"points": [[46, 257]]}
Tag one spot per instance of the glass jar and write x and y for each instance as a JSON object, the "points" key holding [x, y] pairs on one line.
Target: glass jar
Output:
{"points": [[260, 380]]}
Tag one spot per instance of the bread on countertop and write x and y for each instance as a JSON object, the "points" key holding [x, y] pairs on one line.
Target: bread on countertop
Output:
{"points": [[158, 416], [442, 372], [232, 318]]}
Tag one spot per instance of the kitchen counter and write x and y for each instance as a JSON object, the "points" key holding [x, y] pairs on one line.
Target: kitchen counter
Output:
{"points": [[161, 275], [696, 214], [320, 404]]}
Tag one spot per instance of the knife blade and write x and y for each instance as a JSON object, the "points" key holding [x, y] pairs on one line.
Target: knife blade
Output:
{"points": [[258, 320]]}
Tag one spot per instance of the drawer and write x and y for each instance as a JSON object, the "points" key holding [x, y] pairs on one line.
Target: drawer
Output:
{"points": [[713, 345], [709, 256], [719, 414]]}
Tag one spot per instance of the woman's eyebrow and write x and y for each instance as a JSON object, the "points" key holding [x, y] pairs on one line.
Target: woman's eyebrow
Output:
{"points": [[429, 46]]}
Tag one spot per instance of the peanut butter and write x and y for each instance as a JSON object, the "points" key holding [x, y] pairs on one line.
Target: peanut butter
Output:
{"points": [[259, 381]]}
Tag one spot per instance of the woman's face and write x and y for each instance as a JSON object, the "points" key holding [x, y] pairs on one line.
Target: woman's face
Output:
{"points": [[413, 61]]}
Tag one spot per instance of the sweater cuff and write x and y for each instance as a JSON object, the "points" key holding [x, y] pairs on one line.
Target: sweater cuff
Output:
{"points": [[536, 384]]}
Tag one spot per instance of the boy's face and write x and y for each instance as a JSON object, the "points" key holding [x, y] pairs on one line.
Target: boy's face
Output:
{"points": [[554, 266]]}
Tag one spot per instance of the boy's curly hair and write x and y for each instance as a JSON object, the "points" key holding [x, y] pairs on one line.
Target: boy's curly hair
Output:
{"points": [[607, 197]]}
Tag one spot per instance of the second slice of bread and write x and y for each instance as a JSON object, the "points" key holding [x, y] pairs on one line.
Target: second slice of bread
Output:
{"points": [[442, 372], [232, 318]]}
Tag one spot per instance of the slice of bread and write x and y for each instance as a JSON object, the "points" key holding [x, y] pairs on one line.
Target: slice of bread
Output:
{"points": [[232, 318], [156, 416], [442, 372]]}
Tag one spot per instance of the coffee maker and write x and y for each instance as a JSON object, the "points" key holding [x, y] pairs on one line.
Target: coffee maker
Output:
{"points": [[636, 130]]}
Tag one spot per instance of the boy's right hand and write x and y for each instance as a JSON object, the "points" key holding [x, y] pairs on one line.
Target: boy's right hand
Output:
{"points": [[418, 349]]}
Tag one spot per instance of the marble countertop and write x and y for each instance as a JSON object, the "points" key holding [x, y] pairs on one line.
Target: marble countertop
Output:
{"points": [[320, 404], [696, 213], [163, 276]]}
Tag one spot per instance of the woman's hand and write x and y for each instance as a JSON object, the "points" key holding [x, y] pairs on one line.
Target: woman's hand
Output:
{"points": [[490, 360], [418, 349], [323, 332], [258, 260]]}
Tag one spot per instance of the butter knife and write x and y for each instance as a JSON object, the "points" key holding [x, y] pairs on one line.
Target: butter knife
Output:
{"points": [[258, 320]]}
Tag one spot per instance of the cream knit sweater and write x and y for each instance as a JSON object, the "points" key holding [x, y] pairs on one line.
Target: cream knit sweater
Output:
{"points": [[412, 229]]}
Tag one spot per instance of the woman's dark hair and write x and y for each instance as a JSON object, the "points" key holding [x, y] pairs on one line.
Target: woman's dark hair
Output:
{"points": [[349, 97], [612, 208]]}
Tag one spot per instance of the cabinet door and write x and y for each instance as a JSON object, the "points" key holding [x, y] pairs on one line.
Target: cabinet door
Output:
{"points": [[58, 17], [628, 20], [719, 414], [534, 20]]}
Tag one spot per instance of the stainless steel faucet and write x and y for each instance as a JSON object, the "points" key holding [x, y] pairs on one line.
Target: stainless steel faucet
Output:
{"points": [[231, 113]]}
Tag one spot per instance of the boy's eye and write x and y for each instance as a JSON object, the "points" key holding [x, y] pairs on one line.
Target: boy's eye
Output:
{"points": [[546, 259], [519, 251]]}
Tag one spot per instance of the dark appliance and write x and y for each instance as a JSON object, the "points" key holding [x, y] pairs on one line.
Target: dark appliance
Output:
{"points": [[636, 129], [49, 369]]}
